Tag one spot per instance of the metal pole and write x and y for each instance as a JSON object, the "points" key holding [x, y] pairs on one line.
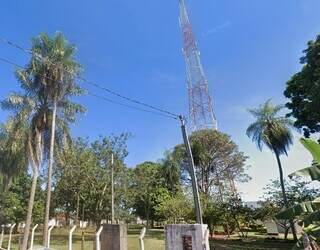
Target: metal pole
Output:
{"points": [[192, 172], [70, 237], [112, 190], [32, 237]]}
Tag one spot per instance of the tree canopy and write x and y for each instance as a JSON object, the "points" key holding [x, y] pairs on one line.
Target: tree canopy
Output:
{"points": [[303, 90]]}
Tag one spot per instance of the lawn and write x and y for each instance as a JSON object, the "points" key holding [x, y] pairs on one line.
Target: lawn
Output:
{"points": [[154, 240]]}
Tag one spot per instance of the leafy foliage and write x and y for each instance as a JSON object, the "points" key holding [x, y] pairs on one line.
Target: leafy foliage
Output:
{"points": [[303, 89], [217, 159], [270, 129], [14, 202]]}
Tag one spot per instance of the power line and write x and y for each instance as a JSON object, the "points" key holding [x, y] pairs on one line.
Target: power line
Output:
{"points": [[84, 80], [7, 61]]}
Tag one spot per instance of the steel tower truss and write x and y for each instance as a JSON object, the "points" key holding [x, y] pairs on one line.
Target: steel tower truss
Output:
{"points": [[201, 112]]}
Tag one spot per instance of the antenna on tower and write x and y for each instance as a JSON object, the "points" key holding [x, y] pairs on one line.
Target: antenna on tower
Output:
{"points": [[201, 112]]}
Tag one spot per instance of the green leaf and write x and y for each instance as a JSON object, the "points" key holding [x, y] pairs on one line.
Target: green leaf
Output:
{"points": [[314, 171], [313, 147], [296, 210]]}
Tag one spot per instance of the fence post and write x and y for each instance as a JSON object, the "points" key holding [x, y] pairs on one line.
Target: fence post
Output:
{"points": [[10, 235], [32, 236], [2, 234], [82, 241], [70, 237], [49, 235], [98, 243], [206, 239], [142, 234]]}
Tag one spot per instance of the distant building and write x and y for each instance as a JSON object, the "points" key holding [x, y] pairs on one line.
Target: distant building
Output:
{"points": [[252, 204]]}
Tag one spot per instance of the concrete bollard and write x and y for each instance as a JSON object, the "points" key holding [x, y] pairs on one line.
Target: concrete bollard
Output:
{"points": [[98, 243], [183, 236], [10, 236], [142, 234], [49, 235], [32, 236], [70, 237], [114, 237]]}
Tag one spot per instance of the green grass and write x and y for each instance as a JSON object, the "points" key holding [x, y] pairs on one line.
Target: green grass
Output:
{"points": [[154, 240]]}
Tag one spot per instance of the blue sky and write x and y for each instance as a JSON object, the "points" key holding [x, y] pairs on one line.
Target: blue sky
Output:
{"points": [[249, 50]]}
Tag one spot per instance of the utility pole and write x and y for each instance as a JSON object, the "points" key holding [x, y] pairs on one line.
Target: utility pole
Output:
{"points": [[112, 190], [195, 190]]}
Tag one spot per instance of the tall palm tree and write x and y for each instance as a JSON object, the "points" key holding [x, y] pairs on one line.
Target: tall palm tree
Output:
{"points": [[53, 68], [28, 122], [274, 131], [44, 107]]}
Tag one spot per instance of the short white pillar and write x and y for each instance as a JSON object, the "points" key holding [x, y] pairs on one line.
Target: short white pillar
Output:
{"points": [[10, 236], [49, 235], [142, 234], [70, 237], [98, 243], [2, 234], [32, 236]]}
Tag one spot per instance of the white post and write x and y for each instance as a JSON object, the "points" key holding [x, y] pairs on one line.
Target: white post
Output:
{"points": [[206, 239], [70, 237], [98, 245], [49, 235], [142, 234], [10, 235], [2, 234], [32, 237]]}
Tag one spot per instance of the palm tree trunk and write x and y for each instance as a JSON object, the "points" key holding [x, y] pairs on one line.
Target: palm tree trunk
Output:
{"points": [[52, 139], [284, 195], [35, 161], [26, 230]]}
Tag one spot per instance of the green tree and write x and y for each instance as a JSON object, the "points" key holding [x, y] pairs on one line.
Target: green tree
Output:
{"points": [[171, 172], [303, 89], [15, 200], [272, 130], [174, 209], [297, 191], [83, 178], [148, 191], [54, 67], [28, 122], [218, 162]]}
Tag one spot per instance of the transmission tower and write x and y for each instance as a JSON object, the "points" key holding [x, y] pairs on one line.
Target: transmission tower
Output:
{"points": [[201, 112]]}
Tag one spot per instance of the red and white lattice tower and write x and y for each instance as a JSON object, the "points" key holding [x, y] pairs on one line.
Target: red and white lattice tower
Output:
{"points": [[201, 112]]}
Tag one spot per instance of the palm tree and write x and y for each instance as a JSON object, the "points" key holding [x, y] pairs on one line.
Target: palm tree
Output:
{"points": [[53, 69], [28, 123], [13, 159], [273, 131]]}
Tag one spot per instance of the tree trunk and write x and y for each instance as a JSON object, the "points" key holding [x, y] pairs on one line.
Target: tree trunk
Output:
{"points": [[284, 195], [30, 208], [77, 211], [51, 150]]}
